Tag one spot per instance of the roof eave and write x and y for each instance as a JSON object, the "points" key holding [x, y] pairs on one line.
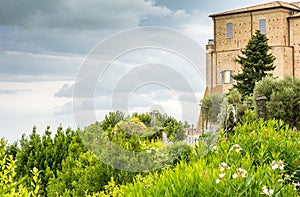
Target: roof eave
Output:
{"points": [[239, 12]]}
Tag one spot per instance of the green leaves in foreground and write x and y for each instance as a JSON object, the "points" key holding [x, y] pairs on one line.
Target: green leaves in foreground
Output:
{"points": [[260, 159]]}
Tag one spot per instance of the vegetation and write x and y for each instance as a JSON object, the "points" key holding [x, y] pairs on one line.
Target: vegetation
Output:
{"points": [[283, 99], [260, 158], [213, 102], [256, 62], [66, 167], [9, 186]]}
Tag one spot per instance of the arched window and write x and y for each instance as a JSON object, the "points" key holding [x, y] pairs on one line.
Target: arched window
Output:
{"points": [[229, 30]]}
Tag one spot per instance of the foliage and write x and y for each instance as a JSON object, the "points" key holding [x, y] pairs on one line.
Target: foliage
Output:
{"points": [[144, 118], [260, 158], [256, 62], [46, 154], [79, 176], [159, 123], [8, 186], [78, 172], [112, 119], [283, 99], [213, 102], [232, 102]]}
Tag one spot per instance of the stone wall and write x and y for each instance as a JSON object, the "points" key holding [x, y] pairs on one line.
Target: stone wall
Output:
{"points": [[295, 42], [244, 25]]}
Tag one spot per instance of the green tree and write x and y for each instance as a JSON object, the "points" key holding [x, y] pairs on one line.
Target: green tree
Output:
{"points": [[213, 102], [112, 119], [283, 99], [46, 154], [144, 117], [255, 61]]}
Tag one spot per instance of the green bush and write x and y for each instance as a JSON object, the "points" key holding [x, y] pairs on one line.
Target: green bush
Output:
{"points": [[283, 99], [9, 187], [260, 158]]}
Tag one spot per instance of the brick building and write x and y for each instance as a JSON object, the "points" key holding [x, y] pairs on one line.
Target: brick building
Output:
{"points": [[280, 21]]}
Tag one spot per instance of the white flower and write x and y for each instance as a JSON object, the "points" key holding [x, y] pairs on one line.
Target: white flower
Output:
{"points": [[235, 148], [277, 164], [267, 191], [234, 176], [221, 176], [281, 165], [239, 173], [242, 172], [223, 166], [217, 181], [295, 185], [214, 149]]}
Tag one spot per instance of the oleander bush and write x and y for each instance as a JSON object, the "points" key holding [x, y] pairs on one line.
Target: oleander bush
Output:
{"points": [[259, 158]]}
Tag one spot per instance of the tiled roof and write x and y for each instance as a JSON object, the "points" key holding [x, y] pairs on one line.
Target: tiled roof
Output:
{"points": [[274, 4]]}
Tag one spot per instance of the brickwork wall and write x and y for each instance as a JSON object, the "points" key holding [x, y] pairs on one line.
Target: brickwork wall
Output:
{"points": [[241, 32], [295, 41], [244, 24]]}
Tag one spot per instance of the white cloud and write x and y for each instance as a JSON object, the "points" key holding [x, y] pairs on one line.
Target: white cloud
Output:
{"points": [[33, 104]]}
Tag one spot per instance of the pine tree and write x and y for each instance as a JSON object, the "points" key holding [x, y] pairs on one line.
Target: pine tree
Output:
{"points": [[255, 62]]}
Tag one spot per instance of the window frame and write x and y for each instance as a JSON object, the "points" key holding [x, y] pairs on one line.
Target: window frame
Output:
{"points": [[229, 30], [262, 25], [224, 76]]}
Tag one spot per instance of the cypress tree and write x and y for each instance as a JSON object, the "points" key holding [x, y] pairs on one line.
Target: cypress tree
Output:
{"points": [[255, 62]]}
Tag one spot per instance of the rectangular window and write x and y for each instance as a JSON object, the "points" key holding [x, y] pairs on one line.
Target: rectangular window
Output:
{"points": [[229, 30], [262, 26], [226, 76]]}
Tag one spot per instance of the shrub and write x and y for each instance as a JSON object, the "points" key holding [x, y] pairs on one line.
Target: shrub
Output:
{"points": [[260, 158]]}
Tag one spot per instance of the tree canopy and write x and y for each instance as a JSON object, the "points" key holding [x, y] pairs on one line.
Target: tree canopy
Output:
{"points": [[256, 62]]}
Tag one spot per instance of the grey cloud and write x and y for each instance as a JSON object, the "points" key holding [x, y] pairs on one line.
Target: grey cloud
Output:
{"points": [[130, 70], [39, 40], [12, 91], [146, 79], [121, 101], [105, 103], [196, 24], [68, 26], [29, 64], [67, 108], [77, 14], [209, 6], [30, 78], [65, 91]]}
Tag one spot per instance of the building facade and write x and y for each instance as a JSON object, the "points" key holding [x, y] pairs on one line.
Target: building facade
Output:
{"points": [[280, 21]]}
